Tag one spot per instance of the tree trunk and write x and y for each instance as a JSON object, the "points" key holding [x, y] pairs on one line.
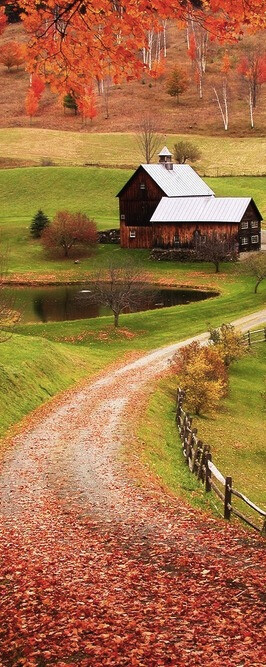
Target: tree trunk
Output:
{"points": [[216, 267], [116, 316], [256, 286]]}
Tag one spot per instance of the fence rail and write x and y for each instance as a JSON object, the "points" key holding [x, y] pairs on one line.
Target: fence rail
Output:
{"points": [[255, 336], [199, 459]]}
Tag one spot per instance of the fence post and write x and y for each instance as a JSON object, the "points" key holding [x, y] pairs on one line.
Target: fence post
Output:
{"points": [[265, 334], [249, 338], [208, 486], [227, 497]]}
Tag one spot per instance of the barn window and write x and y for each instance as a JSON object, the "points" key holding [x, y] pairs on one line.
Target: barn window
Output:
{"points": [[244, 240], [142, 186], [244, 224], [122, 217], [132, 234], [254, 223], [255, 239], [176, 238]]}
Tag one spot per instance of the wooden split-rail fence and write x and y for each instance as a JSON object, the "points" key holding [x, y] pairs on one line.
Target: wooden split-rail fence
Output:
{"points": [[255, 336], [199, 459]]}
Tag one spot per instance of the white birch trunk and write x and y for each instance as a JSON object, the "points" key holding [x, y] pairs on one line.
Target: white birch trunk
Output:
{"points": [[164, 38], [251, 107], [223, 113]]}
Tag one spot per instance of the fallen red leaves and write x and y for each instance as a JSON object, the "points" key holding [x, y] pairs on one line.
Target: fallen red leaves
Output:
{"points": [[96, 571]]}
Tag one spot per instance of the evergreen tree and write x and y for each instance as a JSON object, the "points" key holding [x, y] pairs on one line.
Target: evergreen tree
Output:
{"points": [[38, 224]]}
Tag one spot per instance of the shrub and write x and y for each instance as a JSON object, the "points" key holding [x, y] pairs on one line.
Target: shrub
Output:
{"points": [[228, 342], [70, 234], [203, 377]]}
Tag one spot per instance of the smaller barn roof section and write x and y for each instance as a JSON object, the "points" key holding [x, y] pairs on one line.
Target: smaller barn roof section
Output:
{"points": [[202, 209]]}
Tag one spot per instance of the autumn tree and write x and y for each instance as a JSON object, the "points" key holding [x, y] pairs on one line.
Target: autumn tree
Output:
{"points": [[228, 343], [12, 54], [120, 287], [70, 234], [202, 376], [87, 104], [148, 138], [214, 248], [177, 83], [31, 103], [255, 266], [3, 19], [186, 151], [38, 224], [37, 85]]}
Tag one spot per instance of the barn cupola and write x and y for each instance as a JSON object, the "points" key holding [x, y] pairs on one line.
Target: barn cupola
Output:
{"points": [[165, 158]]}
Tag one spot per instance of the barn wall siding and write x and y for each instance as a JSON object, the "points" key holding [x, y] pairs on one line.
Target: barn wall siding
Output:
{"points": [[165, 234]]}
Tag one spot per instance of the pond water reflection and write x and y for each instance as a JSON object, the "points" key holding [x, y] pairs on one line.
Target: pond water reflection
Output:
{"points": [[74, 302]]}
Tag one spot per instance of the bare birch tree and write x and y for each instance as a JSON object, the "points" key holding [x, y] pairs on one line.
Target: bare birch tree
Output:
{"points": [[148, 138]]}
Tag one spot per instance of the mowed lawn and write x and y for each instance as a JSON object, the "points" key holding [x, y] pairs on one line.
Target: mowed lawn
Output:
{"points": [[220, 155], [91, 190]]}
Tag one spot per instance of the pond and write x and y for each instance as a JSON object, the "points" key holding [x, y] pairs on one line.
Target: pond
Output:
{"points": [[74, 302]]}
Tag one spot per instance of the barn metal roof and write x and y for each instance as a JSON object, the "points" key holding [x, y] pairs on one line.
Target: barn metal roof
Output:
{"points": [[181, 181], [201, 209]]}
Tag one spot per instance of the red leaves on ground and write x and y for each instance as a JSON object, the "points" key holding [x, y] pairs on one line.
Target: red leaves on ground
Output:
{"points": [[97, 571]]}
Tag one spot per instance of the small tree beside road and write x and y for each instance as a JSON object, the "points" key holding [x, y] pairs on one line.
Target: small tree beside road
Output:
{"points": [[70, 234]]}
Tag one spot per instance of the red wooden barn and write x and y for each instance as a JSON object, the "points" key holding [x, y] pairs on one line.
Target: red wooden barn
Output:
{"points": [[167, 205]]}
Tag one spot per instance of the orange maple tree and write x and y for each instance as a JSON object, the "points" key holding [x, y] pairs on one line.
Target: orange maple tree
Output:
{"points": [[31, 103], [12, 54], [72, 42]]}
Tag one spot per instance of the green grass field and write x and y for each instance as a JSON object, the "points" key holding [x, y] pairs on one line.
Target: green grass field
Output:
{"points": [[220, 155], [92, 190], [235, 433]]}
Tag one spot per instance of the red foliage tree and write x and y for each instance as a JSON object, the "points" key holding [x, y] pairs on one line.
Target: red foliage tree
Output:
{"points": [[12, 54], [37, 85], [252, 67], [68, 230], [87, 104], [31, 103]]}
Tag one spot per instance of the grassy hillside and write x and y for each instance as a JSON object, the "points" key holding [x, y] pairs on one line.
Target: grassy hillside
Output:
{"points": [[34, 369], [92, 190], [220, 155]]}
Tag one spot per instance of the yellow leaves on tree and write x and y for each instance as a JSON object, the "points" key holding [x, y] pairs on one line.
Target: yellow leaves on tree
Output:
{"points": [[203, 377]]}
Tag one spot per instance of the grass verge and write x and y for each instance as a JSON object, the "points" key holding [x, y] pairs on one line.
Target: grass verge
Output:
{"points": [[235, 433]]}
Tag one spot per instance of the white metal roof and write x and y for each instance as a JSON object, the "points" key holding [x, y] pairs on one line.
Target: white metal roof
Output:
{"points": [[181, 181], [201, 209], [165, 151]]}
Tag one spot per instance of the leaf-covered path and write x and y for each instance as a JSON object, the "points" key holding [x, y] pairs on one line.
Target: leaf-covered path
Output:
{"points": [[96, 571]]}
